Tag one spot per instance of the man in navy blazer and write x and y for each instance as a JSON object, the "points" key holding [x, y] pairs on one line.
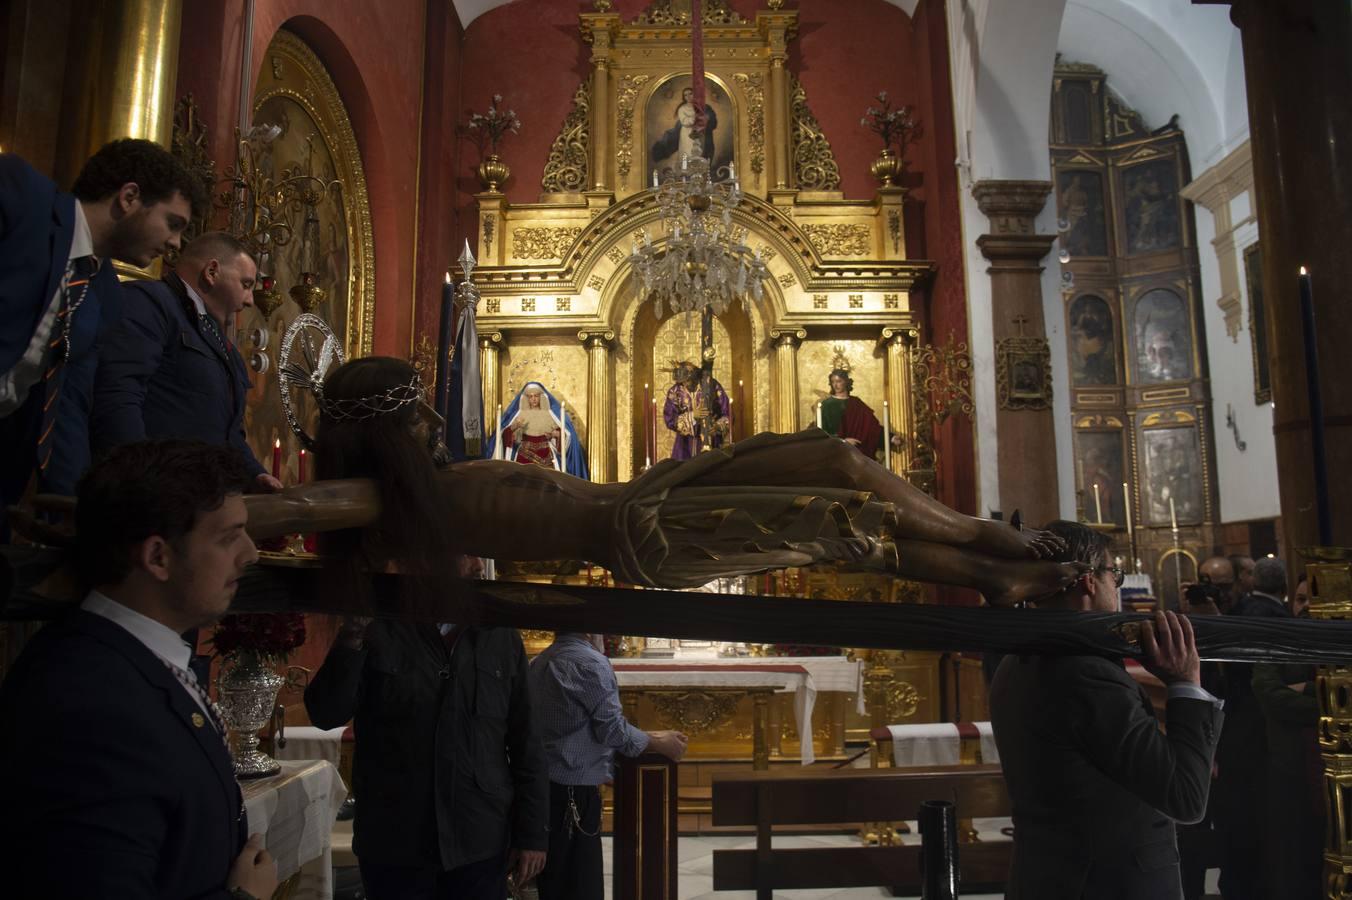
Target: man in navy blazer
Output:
{"points": [[167, 369], [111, 755], [59, 294]]}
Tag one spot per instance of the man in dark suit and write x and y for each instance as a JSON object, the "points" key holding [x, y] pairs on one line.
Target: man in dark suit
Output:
{"points": [[112, 757], [1095, 786], [168, 369], [59, 294]]}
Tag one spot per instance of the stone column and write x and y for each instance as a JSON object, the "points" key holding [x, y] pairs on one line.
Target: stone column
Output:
{"points": [[897, 343], [129, 67], [784, 401], [490, 387], [1024, 426], [1298, 76], [1214, 189], [600, 405]]}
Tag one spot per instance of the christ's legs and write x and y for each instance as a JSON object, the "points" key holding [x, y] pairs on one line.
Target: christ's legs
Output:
{"points": [[1003, 582]]}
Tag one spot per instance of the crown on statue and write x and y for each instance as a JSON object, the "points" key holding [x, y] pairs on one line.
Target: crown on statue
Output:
{"points": [[840, 360]]}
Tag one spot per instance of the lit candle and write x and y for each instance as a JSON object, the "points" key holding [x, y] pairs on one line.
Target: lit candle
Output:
{"points": [[652, 424], [647, 435], [732, 172], [1126, 505], [655, 183], [445, 336], [497, 440], [277, 459], [1323, 519], [563, 441], [731, 420], [819, 415], [301, 471], [1173, 516], [1098, 503], [887, 437]]}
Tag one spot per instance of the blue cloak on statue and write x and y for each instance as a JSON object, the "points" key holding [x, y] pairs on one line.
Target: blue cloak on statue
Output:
{"points": [[575, 461]]}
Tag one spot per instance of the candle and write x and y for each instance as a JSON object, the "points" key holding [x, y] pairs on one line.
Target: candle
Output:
{"points": [[277, 459], [445, 337], [1098, 503], [1313, 391], [563, 441], [1173, 516], [647, 434], [1079, 473], [819, 414], [652, 424], [731, 420], [655, 184], [1126, 505], [498, 452], [301, 477], [887, 437]]}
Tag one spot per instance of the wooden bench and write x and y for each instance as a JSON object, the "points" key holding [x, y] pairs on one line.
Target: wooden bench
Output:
{"points": [[767, 799]]}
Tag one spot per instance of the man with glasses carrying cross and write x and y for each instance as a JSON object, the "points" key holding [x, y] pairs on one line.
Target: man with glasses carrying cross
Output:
{"points": [[1096, 787]]}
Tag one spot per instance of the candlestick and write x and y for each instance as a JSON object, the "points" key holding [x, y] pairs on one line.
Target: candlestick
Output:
{"points": [[887, 438], [1173, 516], [1098, 504], [300, 479], [1313, 391], [277, 459], [445, 337]]}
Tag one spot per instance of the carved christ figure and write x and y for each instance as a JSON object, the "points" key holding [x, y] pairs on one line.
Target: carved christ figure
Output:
{"points": [[770, 502]]}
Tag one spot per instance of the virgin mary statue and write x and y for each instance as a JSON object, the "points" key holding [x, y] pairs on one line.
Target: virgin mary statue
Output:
{"points": [[537, 430]]}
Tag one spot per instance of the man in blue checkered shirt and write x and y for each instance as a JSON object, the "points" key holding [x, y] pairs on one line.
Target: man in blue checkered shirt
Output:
{"points": [[577, 710]]}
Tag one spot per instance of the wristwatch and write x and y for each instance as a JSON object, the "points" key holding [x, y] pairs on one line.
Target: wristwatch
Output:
{"points": [[238, 893]]}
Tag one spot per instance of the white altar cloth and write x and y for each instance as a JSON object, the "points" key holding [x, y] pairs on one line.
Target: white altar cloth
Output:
{"points": [[295, 811]]}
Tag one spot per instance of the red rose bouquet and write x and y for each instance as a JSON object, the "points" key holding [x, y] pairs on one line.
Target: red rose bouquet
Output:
{"points": [[270, 636]]}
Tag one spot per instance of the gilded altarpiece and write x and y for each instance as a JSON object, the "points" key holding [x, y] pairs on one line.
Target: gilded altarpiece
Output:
{"points": [[560, 304]]}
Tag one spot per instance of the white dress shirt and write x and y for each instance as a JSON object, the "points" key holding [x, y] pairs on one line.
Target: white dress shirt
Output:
{"points": [[158, 638]]}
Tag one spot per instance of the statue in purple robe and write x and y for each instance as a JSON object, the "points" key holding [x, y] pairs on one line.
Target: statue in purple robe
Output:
{"points": [[697, 410]]}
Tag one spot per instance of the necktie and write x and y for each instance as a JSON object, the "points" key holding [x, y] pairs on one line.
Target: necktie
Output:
{"points": [[74, 291], [213, 333], [188, 679]]}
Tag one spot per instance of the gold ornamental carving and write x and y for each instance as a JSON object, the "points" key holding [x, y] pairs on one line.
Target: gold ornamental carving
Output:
{"points": [[490, 222], [753, 86], [566, 167], [677, 12], [814, 166], [189, 146], [695, 712], [902, 700], [839, 239], [543, 243], [625, 96], [943, 379], [1023, 373]]}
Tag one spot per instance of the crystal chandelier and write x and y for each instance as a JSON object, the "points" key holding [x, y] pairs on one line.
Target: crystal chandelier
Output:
{"points": [[703, 262]]}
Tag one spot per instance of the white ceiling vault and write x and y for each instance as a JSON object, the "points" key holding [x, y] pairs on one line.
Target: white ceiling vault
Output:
{"points": [[469, 10]]}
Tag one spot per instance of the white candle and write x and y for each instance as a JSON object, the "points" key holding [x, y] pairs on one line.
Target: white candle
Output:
{"points": [[819, 415], [563, 441], [731, 401], [887, 438], [655, 178], [1126, 505], [497, 441], [1098, 503], [1173, 516]]}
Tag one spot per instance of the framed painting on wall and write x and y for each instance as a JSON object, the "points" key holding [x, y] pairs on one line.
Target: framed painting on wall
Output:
{"points": [[1253, 278], [1093, 342], [669, 118], [1101, 465], [1080, 210], [1163, 337], [1150, 196], [1172, 459]]}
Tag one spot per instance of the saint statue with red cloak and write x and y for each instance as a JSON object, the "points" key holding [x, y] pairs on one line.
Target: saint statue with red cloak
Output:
{"points": [[849, 418]]}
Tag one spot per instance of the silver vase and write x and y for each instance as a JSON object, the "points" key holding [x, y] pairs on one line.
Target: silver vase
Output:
{"points": [[247, 696]]}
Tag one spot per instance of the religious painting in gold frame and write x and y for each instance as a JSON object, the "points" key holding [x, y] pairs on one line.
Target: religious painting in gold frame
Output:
{"points": [[668, 116], [296, 93]]}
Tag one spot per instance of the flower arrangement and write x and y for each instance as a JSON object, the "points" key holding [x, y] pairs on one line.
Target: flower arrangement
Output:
{"points": [[269, 636], [488, 129], [801, 650], [898, 128]]}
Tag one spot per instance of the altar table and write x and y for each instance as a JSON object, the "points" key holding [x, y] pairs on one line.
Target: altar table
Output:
{"points": [[802, 676], [294, 811]]}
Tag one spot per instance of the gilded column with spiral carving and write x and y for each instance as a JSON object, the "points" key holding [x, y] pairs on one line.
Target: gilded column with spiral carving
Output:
{"points": [[776, 25], [490, 354], [598, 29], [784, 401], [897, 343], [1330, 572], [600, 404]]}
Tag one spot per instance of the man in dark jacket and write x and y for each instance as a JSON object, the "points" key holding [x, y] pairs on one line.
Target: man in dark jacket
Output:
{"points": [[168, 369], [113, 760], [59, 295], [450, 781], [1095, 786]]}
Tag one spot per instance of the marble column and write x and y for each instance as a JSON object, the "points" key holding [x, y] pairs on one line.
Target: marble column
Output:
{"points": [[897, 343], [1025, 428], [784, 410], [600, 404], [1298, 76]]}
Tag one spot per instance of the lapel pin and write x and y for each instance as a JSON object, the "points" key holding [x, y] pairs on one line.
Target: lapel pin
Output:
{"points": [[198, 720]]}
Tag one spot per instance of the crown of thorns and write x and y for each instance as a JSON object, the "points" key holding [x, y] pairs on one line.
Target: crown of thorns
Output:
{"points": [[355, 409]]}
